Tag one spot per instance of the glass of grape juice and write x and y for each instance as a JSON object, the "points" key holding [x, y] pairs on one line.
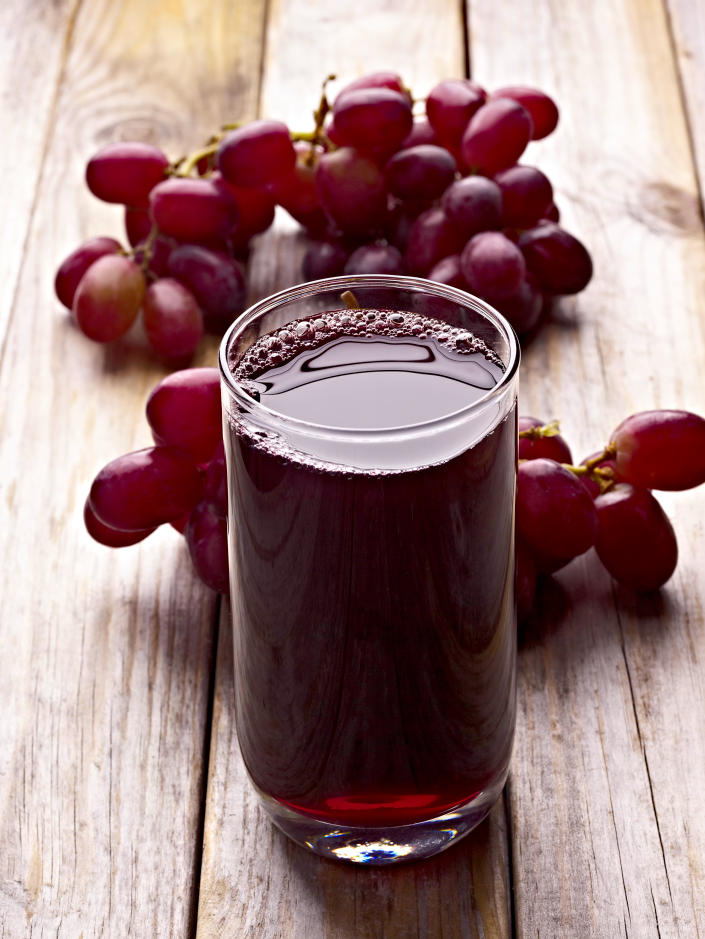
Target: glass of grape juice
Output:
{"points": [[371, 443]]}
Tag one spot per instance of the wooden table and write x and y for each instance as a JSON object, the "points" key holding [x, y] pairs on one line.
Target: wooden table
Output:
{"points": [[123, 806]]}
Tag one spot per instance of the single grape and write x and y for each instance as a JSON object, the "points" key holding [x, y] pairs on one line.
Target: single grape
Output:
{"points": [[216, 491], [126, 172], [431, 238], [523, 308], [110, 537], [108, 298], [661, 449], [172, 319], [555, 515], [380, 79], [207, 540], [526, 195], [72, 268], [421, 172], [543, 110], [560, 262], [351, 189], [297, 192], [145, 488], [192, 209], [324, 259], [635, 540], [256, 154], [496, 136], [373, 120], [421, 132], [447, 271], [451, 104], [138, 224], [473, 204], [492, 265], [183, 410], [550, 448], [216, 280], [375, 258], [255, 208], [526, 581]]}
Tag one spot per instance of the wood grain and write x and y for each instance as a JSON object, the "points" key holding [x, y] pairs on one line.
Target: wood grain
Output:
{"points": [[254, 882], [107, 656], [606, 817], [687, 29]]}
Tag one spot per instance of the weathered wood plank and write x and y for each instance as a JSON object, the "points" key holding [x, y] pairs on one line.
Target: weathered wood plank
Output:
{"points": [[605, 805], [254, 882], [107, 656], [33, 44], [687, 25]]}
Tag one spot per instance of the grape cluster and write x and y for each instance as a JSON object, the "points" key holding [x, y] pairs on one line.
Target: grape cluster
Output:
{"points": [[605, 502], [441, 196], [180, 481]]}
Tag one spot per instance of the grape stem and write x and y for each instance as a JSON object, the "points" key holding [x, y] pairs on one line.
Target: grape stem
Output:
{"points": [[543, 430], [602, 475]]}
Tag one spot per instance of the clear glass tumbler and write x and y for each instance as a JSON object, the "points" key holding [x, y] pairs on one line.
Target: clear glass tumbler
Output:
{"points": [[372, 591]]}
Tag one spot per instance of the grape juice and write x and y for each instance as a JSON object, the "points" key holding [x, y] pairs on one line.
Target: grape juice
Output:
{"points": [[373, 598]]}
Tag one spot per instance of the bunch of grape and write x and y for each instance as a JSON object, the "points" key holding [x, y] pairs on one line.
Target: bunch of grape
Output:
{"points": [[442, 196], [180, 481], [606, 501]]}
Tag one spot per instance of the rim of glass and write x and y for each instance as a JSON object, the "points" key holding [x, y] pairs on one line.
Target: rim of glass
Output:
{"points": [[350, 282]]}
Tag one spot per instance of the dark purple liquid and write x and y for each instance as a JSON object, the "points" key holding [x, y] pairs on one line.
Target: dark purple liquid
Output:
{"points": [[373, 608]]}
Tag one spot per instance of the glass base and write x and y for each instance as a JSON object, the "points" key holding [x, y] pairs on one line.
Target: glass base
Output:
{"points": [[382, 846]]}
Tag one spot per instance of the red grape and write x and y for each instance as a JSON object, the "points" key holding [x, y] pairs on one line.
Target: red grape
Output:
{"points": [[324, 259], [635, 539], [421, 132], [381, 79], [496, 136], [447, 271], [297, 192], [375, 258], [216, 280], [661, 449], [145, 488], [555, 515], [473, 204], [552, 447], [421, 172], [351, 189], [183, 410], [526, 580], [256, 154], [543, 110], [526, 195], [108, 298], [72, 268], [207, 540], [523, 308], [374, 120], [492, 265], [451, 104], [138, 224], [560, 262], [216, 491], [172, 320], [432, 237], [110, 537], [126, 172], [255, 208], [192, 209]]}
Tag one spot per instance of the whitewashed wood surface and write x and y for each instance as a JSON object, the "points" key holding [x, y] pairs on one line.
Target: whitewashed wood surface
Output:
{"points": [[123, 805]]}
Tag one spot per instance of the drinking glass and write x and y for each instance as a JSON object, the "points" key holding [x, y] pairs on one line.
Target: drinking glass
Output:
{"points": [[373, 594]]}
